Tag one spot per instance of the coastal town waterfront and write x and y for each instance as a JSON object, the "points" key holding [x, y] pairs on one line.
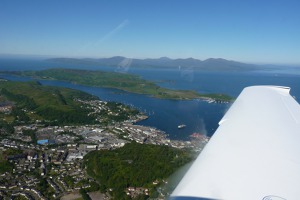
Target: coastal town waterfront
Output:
{"points": [[47, 161]]}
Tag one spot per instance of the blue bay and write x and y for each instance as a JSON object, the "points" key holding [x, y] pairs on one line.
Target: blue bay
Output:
{"points": [[199, 116]]}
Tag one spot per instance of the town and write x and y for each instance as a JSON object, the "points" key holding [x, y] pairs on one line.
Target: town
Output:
{"points": [[53, 155]]}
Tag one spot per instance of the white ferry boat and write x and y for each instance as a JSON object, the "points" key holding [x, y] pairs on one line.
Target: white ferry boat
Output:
{"points": [[181, 126]]}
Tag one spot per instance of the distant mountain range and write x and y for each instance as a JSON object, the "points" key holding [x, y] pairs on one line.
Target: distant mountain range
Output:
{"points": [[211, 64]]}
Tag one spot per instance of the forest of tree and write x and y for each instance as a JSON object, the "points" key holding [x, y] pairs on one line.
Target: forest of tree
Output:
{"points": [[134, 165]]}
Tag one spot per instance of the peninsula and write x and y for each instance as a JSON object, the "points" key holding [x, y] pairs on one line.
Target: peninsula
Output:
{"points": [[125, 82]]}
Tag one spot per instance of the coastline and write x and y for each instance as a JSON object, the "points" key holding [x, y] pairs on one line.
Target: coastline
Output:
{"points": [[113, 80]]}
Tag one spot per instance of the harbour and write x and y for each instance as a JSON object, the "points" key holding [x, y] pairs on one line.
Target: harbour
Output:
{"points": [[198, 115]]}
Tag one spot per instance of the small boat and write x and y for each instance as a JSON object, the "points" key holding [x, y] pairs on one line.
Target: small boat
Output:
{"points": [[181, 126]]}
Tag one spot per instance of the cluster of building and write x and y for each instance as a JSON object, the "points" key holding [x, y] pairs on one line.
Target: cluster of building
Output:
{"points": [[100, 109], [6, 107], [22, 180], [134, 192], [52, 164]]}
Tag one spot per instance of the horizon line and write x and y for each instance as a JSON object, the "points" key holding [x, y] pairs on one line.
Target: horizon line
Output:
{"points": [[36, 56]]}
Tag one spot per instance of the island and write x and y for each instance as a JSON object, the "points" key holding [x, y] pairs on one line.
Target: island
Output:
{"points": [[125, 82], [58, 143]]}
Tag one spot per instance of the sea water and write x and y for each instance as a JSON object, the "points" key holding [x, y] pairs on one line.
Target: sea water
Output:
{"points": [[198, 116]]}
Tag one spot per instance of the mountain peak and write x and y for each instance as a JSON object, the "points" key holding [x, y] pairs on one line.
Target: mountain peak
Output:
{"points": [[216, 59], [164, 58]]}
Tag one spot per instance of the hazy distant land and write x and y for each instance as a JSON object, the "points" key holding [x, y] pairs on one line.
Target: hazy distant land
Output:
{"points": [[211, 64]]}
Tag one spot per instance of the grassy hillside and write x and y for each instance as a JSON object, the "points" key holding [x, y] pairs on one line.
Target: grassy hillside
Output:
{"points": [[33, 101]]}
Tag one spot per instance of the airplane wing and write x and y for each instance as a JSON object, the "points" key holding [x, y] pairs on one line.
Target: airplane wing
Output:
{"points": [[253, 155]]}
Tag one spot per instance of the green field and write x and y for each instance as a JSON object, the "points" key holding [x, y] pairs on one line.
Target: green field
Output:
{"points": [[126, 82]]}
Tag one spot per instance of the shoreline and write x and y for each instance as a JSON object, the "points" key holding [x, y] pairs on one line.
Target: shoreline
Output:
{"points": [[131, 83]]}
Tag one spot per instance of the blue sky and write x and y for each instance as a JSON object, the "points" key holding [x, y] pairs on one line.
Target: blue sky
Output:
{"points": [[263, 31]]}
